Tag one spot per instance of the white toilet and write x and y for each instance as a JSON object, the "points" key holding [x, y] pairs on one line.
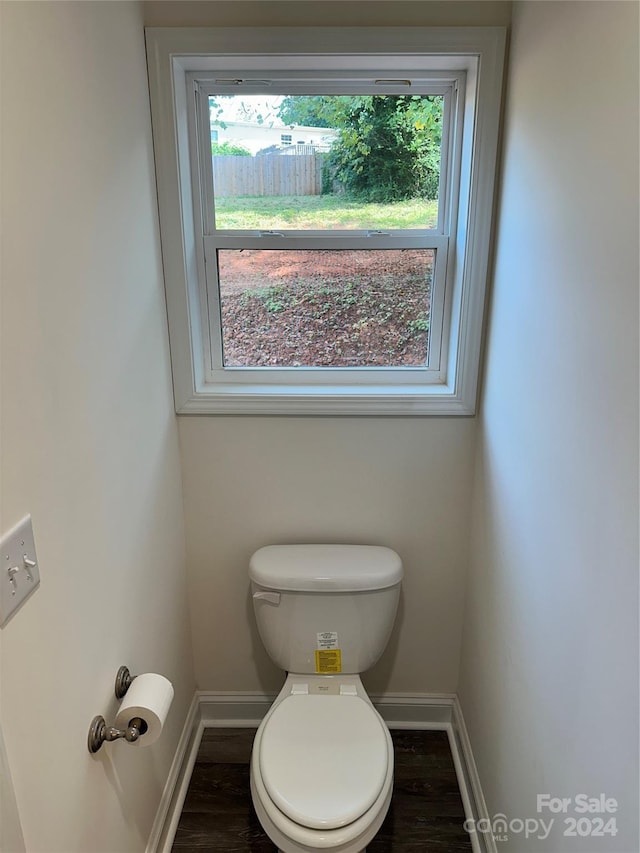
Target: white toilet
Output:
{"points": [[322, 760]]}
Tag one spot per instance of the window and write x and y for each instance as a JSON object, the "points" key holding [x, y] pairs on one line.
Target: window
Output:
{"points": [[348, 276]]}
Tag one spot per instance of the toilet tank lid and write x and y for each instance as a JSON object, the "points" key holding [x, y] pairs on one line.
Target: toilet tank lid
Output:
{"points": [[324, 568]]}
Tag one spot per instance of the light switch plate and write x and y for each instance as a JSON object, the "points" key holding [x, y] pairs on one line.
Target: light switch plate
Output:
{"points": [[18, 578]]}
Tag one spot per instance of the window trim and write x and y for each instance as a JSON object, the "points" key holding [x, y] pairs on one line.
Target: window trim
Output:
{"points": [[172, 54]]}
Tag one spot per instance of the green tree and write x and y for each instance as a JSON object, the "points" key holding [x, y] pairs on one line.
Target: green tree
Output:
{"points": [[388, 147], [315, 110], [229, 149]]}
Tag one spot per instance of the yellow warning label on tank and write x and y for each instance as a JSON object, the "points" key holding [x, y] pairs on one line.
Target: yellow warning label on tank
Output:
{"points": [[328, 660]]}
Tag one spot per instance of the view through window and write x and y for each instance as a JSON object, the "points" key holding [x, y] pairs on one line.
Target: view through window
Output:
{"points": [[305, 173]]}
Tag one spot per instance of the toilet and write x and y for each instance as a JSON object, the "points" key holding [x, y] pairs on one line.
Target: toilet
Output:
{"points": [[322, 758]]}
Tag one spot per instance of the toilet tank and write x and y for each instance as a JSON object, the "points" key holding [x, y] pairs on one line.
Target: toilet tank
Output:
{"points": [[325, 608]]}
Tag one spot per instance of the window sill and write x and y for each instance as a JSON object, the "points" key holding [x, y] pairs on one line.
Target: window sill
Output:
{"points": [[283, 400]]}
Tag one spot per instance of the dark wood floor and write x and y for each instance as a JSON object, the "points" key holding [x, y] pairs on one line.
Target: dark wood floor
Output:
{"points": [[426, 811]]}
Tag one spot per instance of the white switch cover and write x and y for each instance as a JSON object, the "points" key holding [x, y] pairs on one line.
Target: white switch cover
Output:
{"points": [[19, 573]]}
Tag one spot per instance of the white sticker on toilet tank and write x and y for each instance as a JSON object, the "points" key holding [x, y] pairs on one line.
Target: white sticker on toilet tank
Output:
{"points": [[328, 640]]}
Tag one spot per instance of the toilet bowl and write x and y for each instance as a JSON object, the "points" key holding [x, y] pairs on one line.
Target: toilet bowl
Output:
{"points": [[322, 758]]}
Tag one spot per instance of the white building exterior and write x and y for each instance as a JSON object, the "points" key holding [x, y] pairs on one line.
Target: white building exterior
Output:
{"points": [[288, 139]]}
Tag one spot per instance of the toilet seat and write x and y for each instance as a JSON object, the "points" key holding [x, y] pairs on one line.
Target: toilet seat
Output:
{"points": [[324, 759]]}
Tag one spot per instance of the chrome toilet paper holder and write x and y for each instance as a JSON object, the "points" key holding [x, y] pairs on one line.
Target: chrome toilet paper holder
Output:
{"points": [[99, 731]]}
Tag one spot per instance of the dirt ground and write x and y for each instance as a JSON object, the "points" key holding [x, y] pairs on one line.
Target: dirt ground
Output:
{"points": [[325, 308]]}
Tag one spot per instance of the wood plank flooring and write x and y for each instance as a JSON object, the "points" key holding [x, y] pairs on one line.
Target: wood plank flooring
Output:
{"points": [[426, 813]]}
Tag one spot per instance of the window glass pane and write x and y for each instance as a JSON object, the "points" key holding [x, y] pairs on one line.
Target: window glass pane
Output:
{"points": [[335, 308], [326, 161]]}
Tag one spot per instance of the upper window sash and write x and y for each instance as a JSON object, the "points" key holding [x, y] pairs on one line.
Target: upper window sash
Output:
{"points": [[451, 87]]}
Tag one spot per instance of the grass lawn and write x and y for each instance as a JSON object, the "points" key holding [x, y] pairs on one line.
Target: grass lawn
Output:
{"points": [[322, 211]]}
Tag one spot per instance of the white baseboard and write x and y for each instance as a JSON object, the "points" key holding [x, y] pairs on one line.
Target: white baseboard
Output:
{"points": [[414, 710], [470, 780], [437, 711], [244, 710], [11, 837], [398, 710], [177, 782]]}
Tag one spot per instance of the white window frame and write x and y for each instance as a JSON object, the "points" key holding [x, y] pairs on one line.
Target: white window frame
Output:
{"points": [[180, 62]]}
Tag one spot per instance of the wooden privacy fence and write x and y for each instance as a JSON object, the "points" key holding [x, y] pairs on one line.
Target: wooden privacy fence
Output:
{"points": [[268, 174]]}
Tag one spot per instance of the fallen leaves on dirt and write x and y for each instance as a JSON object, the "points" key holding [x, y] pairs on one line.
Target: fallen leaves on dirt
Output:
{"points": [[325, 309]]}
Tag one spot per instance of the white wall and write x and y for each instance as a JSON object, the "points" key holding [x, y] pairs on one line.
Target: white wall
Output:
{"points": [[89, 443], [405, 483], [550, 654]]}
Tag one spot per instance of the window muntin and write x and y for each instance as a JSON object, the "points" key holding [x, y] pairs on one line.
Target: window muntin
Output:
{"points": [[303, 225]]}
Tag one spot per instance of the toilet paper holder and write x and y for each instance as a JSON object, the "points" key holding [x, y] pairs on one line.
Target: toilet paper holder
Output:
{"points": [[123, 682], [99, 731]]}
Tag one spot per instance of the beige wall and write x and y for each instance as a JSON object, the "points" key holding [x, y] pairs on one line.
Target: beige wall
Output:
{"points": [[89, 444], [550, 656], [400, 482], [327, 13]]}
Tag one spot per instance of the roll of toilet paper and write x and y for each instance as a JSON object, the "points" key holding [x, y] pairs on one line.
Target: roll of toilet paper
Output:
{"points": [[149, 698]]}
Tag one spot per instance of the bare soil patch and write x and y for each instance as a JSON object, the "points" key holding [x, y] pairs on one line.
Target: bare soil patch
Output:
{"points": [[325, 308]]}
